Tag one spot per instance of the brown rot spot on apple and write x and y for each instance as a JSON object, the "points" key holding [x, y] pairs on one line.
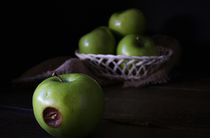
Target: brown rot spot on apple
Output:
{"points": [[52, 117]]}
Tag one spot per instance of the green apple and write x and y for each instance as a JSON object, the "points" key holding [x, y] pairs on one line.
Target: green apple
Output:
{"points": [[99, 41], [69, 105], [131, 21], [137, 45]]}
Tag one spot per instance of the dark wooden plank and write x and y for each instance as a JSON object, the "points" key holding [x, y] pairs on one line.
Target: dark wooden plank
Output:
{"points": [[161, 106], [20, 122], [112, 130]]}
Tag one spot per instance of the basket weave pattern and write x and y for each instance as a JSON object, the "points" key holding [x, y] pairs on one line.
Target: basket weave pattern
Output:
{"points": [[127, 68]]}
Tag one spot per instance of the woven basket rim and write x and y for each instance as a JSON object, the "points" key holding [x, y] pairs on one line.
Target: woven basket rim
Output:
{"points": [[121, 56]]}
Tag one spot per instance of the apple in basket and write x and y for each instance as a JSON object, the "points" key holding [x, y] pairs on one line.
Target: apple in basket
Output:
{"points": [[130, 21], [99, 41], [69, 105], [136, 45]]}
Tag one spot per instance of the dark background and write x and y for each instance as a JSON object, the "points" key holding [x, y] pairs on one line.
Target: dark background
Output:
{"points": [[36, 31]]}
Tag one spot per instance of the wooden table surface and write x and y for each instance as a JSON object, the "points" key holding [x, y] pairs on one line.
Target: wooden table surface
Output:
{"points": [[178, 109]]}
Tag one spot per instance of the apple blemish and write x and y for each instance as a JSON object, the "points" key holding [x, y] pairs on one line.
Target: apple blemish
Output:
{"points": [[52, 117]]}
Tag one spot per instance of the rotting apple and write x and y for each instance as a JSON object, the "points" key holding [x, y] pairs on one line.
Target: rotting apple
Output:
{"points": [[69, 105]]}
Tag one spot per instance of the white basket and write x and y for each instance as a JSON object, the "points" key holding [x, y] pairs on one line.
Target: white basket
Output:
{"points": [[134, 70]]}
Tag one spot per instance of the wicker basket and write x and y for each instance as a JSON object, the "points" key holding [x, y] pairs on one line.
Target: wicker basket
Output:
{"points": [[134, 70]]}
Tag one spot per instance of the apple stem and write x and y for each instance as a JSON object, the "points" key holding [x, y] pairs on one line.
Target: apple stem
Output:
{"points": [[57, 76], [138, 38]]}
